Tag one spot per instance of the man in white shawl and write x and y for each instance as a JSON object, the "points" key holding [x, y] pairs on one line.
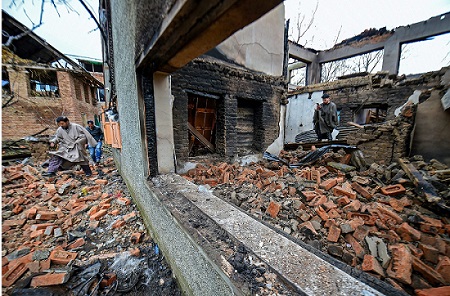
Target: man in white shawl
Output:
{"points": [[72, 139]]}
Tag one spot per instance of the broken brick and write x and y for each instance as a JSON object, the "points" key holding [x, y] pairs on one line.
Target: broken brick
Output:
{"points": [[50, 279], [14, 273], [443, 268], [328, 184], [371, 264], [339, 191], [400, 267], [441, 291], [428, 273], [98, 215], [356, 246], [430, 253], [361, 190], [273, 209], [108, 280], [408, 233], [135, 238], [334, 233]]}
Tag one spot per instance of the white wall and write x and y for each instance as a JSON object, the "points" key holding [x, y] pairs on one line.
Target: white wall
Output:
{"points": [[260, 45], [299, 114]]}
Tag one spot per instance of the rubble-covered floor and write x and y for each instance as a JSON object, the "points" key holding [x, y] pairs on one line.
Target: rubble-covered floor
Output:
{"points": [[74, 235], [388, 220]]}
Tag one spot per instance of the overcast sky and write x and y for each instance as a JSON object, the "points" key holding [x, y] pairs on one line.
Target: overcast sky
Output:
{"points": [[71, 32]]}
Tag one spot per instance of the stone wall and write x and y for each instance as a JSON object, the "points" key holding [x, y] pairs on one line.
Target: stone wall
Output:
{"points": [[228, 84]]}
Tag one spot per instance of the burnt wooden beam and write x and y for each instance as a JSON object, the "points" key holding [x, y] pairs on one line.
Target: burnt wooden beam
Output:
{"points": [[201, 138]]}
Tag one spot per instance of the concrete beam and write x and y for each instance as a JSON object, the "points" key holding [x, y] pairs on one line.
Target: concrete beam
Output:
{"points": [[300, 53], [192, 28]]}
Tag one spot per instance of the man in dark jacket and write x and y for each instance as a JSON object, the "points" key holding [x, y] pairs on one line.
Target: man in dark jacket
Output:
{"points": [[97, 133], [325, 118]]}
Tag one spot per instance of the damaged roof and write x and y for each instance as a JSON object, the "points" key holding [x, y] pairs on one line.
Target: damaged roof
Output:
{"points": [[32, 47]]}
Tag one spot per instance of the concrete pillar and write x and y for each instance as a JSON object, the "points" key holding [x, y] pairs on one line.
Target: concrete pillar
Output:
{"points": [[391, 57], [164, 124], [313, 73], [19, 82]]}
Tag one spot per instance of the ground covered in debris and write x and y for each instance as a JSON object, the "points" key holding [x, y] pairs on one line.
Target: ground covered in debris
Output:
{"points": [[389, 220], [76, 235]]}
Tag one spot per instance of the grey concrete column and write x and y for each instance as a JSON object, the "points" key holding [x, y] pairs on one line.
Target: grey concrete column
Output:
{"points": [[391, 57], [313, 73], [164, 124]]}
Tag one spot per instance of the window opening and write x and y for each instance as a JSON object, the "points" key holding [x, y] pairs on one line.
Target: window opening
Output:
{"points": [[370, 114], [44, 83]]}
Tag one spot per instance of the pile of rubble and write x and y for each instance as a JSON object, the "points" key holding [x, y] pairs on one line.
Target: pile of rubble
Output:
{"points": [[77, 235], [390, 221]]}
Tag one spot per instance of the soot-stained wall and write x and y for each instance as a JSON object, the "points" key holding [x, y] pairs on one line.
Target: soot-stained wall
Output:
{"points": [[229, 85]]}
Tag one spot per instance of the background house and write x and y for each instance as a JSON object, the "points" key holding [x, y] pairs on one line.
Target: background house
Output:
{"points": [[40, 84]]}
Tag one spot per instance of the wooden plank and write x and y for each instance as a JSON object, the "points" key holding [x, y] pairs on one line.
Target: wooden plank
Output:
{"points": [[426, 189], [200, 137]]}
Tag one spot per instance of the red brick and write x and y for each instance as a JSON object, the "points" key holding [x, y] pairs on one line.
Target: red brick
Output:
{"points": [[342, 201], [101, 181], [37, 233], [273, 209], [14, 273], [408, 233], [443, 268], [98, 215], [368, 219], [441, 291], [371, 264], [334, 233], [396, 204], [400, 267], [115, 212], [78, 243], [430, 253], [62, 257], [108, 280], [428, 273], [322, 214], [119, 223], [361, 232], [31, 214], [135, 237], [393, 189], [46, 215], [129, 217], [354, 206], [361, 190], [320, 200], [356, 246], [328, 184], [315, 175], [339, 191], [50, 279], [308, 225]]}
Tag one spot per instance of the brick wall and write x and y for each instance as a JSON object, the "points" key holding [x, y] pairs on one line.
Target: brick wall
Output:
{"points": [[208, 77], [384, 142], [29, 115]]}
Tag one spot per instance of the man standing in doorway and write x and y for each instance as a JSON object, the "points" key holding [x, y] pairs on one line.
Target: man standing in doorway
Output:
{"points": [[325, 118], [97, 133]]}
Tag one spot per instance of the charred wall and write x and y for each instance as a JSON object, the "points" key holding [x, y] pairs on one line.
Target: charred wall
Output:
{"points": [[395, 136], [241, 94]]}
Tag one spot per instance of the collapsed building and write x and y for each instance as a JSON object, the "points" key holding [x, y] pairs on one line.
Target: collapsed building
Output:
{"points": [[186, 90], [184, 84]]}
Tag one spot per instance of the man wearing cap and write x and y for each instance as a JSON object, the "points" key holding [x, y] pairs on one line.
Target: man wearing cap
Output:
{"points": [[325, 118]]}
